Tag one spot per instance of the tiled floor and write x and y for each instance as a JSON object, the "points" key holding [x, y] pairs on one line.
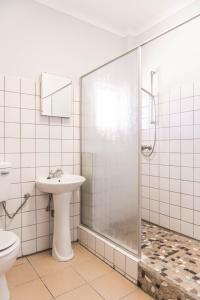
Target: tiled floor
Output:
{"points": [[85, 277], [176, 258]]}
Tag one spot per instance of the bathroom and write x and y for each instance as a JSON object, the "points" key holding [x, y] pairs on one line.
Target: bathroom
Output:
{"points": [[100, 189]]}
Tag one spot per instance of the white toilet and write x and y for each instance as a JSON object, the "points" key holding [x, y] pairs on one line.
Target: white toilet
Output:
{"points": [[9, 242]]}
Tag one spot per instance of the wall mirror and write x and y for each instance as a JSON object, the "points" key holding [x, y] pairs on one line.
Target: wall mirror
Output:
{"points": [[56, 95]]}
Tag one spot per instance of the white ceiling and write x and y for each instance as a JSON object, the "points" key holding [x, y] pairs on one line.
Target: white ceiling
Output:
{"points": [[122, 17]]}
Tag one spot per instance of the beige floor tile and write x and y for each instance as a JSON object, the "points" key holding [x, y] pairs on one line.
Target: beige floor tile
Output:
{"points": [[33, 290], [45, 264], [20, 261], [113, 286], [78, 247], [63, 281], [80, 255], [85, 292], [20, 274], [138, 294], [92, 269], [67, 280], [39, 255]]}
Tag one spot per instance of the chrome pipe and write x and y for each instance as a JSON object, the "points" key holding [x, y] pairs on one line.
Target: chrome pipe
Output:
{"points": [[147, 92]]}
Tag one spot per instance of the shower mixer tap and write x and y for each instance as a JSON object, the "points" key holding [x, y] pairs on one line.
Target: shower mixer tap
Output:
{"points": [[57, 174], [146, 147]]}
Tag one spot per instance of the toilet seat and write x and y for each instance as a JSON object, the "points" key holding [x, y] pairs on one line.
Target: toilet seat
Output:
{"points": [[7, 240]]}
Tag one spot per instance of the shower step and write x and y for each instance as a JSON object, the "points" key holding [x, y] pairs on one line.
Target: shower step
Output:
{"points": [[170, 264], [160, 287]]}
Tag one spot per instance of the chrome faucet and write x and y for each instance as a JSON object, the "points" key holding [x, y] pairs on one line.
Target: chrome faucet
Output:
{"points": [[146, 147], [56, 174]]}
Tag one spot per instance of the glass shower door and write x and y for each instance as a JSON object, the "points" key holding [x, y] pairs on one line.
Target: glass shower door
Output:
{"points": [[110, 151]]}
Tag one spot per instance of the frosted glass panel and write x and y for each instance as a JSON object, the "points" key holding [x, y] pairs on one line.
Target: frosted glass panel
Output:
{"points": [[110, 151]]}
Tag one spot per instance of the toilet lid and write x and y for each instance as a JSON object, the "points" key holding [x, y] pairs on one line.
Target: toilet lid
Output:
{"points": [[7, 239]]}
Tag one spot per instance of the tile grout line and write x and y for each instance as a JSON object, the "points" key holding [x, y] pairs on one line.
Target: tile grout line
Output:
{"points": [[20, 158], [4, 112], [193, 173], [73, 194], [36, 231]]}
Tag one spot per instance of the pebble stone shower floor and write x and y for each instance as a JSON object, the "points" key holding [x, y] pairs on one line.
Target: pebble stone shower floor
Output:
{"points": [[170, 265]]}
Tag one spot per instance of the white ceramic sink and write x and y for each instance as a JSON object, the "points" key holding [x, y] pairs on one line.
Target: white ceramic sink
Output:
{"points": [[62, 189], [63, 184]]}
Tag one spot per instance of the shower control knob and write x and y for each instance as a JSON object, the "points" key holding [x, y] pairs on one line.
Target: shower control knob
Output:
{"points": [[146, 147]]}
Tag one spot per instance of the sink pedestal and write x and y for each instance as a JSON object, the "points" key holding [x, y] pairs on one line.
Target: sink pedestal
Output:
{"points": [[61, 188], [62, 249]]}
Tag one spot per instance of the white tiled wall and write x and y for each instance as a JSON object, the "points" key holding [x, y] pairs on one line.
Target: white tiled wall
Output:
{"points": [[35, 144], [171, 177]]}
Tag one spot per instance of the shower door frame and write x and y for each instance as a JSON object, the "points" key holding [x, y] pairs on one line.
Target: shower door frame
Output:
{"points": [[139, 47], [138, 254]]}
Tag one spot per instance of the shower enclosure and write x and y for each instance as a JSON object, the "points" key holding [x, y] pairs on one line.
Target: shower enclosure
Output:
{"points": [[111, 151]]}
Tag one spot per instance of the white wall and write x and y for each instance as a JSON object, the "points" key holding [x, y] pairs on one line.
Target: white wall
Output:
{"points": [[35, 38], [171, 22], [174, 56]]}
